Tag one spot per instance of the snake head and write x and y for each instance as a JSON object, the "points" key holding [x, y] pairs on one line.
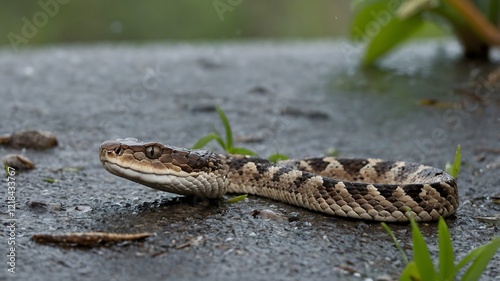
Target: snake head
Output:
{"points": [[167, 168]]}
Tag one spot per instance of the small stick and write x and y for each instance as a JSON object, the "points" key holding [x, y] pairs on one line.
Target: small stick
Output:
{"points": [[88, 238]]}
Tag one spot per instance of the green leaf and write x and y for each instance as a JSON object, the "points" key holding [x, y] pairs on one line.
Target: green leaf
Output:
{"points": [[220, 140], [493, 11], [421, 254], [389, 36], [468, 258], [277, 157], [237, 198], [241, 151], [365, 13], [446, 256], [410, 273], [396, 242], [454, 169], [377, 23], [50, 180], [482, 259], [227, 127], [332, 152], [206, 139], [411, 8]]}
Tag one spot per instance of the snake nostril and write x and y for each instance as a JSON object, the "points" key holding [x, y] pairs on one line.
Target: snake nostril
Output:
{"points": [[118, 151]]}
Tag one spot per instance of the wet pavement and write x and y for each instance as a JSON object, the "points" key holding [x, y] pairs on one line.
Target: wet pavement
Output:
{"points": [[296, 98]]}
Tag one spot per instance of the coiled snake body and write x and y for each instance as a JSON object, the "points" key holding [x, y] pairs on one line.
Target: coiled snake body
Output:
{"points": [[369, 189]]}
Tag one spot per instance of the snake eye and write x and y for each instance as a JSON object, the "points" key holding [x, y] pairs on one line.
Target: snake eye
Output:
{"points": [[118, 151], [153, 152]]}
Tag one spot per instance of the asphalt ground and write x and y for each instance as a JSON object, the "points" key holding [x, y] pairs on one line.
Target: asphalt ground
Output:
{"points": [[296, 98]]}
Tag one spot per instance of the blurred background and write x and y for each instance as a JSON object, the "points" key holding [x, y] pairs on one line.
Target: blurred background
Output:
{"points": [[130, 20], [77, 21]]}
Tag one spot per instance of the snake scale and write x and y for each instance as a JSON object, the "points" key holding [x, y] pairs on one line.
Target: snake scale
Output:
{"points": [[367, 189]]}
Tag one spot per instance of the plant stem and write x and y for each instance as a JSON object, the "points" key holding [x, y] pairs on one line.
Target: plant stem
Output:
{"points": [[483, 29]]}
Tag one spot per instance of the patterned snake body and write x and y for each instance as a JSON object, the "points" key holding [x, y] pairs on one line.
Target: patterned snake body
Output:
{"points": [[368, 189]]}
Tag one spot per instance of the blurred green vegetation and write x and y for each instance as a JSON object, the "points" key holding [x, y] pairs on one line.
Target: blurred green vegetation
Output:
{"points": [[128, 20], [378, 21]]}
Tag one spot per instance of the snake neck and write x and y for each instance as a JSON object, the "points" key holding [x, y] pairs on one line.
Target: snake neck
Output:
{"points": [[247, 174]]}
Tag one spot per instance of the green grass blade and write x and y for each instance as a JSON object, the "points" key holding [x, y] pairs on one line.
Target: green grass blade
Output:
{"points": [[220, 140], [446, 256], [396, 242], [468, 258], [454, 169], [277, 157], [332, 152], [421, 254], [410, 273], [237, 198], [482, 259], [50, 180], [241, 151], [206, 139], [227, 127]]}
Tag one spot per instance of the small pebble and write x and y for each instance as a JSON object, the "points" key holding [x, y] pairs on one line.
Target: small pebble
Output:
{"points": [[83, 208], [42, 207], [267, 214], [38, 207], [18, 162], [294, 216], [36, 139]]}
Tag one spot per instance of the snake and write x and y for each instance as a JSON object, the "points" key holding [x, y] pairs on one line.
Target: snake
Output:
{"points": [[359, 188]]}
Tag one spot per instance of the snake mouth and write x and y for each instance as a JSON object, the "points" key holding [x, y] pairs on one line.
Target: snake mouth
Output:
{"points": [[165, 182], [168, 182]]}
